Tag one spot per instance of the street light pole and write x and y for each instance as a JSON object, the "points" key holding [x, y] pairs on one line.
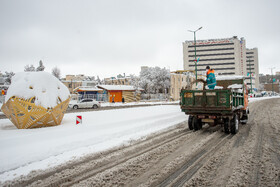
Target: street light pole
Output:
{"points": [[195, 60], [272, 80], [251, 91]]}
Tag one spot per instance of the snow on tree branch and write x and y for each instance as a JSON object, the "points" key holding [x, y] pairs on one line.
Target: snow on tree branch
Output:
{"points": [[155, 80], [29, 68], [56, 72]]}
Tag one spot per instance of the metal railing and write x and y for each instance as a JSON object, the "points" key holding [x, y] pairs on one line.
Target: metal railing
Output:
{"points": [[97, 97], [155, 97]]}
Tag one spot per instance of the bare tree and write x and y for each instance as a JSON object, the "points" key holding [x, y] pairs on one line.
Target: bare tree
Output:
{"points": [[56, 72], [29, 68]]}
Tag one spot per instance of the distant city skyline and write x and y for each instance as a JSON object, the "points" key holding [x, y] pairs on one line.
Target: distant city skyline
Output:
{"points": [[107, 38]]}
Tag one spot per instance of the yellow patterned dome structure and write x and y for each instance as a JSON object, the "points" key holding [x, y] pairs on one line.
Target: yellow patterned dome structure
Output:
{"points": [[38, 109]]}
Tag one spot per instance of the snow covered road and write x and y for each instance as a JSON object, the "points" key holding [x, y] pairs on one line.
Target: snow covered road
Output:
{"points": [[31, 149]]}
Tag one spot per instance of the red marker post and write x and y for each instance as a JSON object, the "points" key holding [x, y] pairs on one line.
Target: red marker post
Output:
{"points": [[78, 120]]}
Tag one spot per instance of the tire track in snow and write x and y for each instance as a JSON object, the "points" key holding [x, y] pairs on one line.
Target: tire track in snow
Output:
{"points": [[57, 176], [189, 168]]}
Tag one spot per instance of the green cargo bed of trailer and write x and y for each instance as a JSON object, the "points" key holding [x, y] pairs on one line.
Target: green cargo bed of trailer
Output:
{"points": [[220, 102], [226, 106]]}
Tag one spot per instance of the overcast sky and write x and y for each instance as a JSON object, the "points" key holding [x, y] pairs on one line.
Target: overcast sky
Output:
{"points": [[109, 37]]}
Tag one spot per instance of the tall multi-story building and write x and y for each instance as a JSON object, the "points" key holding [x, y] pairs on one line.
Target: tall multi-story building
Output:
{"points": [[227, 56], [252, 67]]}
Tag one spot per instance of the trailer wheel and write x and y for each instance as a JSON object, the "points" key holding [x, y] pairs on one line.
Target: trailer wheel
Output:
{"points": [[190, 122], [195, 123], [234, 124], [226, 125], [199, 124]]}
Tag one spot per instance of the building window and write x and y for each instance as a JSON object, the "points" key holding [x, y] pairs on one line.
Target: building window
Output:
{"points": [[208, 45], [247, 53], [230, 73], [214, 64], [218, 49], [217, 54], [217, 69], [213, 59]]}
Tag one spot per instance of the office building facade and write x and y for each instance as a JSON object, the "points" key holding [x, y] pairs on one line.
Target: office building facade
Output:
{"points": [[252, 68], [227, 56]]}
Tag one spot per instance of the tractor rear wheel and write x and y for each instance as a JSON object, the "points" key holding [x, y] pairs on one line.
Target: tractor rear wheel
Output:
{"points": [[226, 125], [190, 122], [234, 126], [195, 123]]}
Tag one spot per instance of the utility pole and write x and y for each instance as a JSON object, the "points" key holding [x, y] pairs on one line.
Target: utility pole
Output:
{"points": [[195, 60]]}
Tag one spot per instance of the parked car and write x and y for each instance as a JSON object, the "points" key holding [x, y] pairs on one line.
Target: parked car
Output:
{"points": [[84, 103]]}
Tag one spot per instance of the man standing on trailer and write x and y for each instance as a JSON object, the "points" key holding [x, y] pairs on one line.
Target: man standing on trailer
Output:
{"points": [[211, 79]]}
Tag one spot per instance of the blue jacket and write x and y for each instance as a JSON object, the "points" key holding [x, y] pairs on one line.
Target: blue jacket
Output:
{"points": [[211, 79]]}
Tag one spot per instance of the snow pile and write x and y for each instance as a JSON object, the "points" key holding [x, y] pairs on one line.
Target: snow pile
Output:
{"points": [[229, 77], [216, 87], [261, 98], [238, 90], [21, 152], [44, 86], [236, 86]]}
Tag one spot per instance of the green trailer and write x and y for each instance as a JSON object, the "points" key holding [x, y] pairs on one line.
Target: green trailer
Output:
{"points": [[227, 105]]}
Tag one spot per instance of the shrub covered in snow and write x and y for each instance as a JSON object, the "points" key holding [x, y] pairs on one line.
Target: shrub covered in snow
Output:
{"points": [[46, 88]]}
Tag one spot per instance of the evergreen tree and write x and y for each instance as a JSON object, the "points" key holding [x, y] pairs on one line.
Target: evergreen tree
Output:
{"points": [[41, 67]]}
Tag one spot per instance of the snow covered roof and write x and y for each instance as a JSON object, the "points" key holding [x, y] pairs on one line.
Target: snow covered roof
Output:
{"points": [[87, 88], [117, 87], [42, 85], [230, 77]]}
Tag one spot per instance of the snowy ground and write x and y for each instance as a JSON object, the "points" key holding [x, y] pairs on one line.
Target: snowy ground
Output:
{"points": [[177, 156], [253, 99], [31, 149], [138, 103], [23, 151]]}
